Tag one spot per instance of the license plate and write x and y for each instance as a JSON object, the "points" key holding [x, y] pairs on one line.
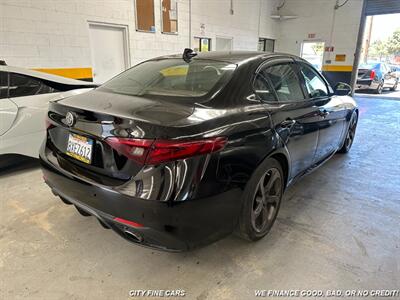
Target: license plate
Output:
{"points": [[80, 148]]}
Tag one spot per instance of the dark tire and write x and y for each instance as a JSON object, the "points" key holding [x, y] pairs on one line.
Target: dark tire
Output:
{"points": [[350, 134], [261, 200], [82, 212], [379, 89], [393, 88]]}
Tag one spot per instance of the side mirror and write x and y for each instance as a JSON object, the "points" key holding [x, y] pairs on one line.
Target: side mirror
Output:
{"points": [[342, 89]]}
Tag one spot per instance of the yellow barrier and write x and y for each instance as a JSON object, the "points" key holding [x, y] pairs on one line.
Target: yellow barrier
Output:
{"points": [[74, 73], [337, 68]]}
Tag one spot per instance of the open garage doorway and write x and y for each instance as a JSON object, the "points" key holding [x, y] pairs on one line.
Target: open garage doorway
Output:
{"points": [[379, 68], [376, 69], [313, 53]]}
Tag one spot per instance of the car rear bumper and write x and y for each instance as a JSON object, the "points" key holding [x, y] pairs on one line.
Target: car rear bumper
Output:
{"points": [[366, 84], [173, 226]]}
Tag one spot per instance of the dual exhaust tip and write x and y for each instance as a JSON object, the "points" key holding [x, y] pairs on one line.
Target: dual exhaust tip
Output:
{"points": [[131, 236]]}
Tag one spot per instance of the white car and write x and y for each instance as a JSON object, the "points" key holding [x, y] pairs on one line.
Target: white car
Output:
{"points": [[24, 98]]}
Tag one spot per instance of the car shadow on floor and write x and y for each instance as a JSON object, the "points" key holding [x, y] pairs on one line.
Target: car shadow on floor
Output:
{"points": [[11, 163], [385, 91]]}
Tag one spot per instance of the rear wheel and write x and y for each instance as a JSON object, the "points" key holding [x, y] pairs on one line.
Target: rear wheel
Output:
{"points": [[262, 199], [379, 89], [351, 132]]}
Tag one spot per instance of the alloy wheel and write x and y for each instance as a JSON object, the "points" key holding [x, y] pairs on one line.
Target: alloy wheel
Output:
{"points": [[266, 201], [380, 88], [351, 132]]}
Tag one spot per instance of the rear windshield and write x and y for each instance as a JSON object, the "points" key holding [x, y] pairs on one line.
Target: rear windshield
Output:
{"points": [[171, 77], [368, 66]]}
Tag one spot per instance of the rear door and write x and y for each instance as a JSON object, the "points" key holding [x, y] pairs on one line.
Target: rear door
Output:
{"points": [[8, 109], [332, 114], [295, 118]]}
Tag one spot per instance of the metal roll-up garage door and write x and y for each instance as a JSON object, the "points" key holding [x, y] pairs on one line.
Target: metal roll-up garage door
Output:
{"points": [[381, 7]]}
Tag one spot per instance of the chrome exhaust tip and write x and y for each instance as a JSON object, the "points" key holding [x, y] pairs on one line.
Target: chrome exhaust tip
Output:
{"points": [[133, 236]]}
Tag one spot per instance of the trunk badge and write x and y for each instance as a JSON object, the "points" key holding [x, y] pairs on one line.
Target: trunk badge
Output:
{"points": [[70, 119]]}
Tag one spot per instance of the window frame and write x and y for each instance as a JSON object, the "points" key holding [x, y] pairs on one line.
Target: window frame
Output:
{"points": [[264, 41], [199, 45], [137, 23], [270, 62], [162, 20], [304, 85]]}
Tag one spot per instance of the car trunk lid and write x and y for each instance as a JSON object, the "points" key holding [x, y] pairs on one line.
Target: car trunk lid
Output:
{"points": [[101, 115], [363, 73]]}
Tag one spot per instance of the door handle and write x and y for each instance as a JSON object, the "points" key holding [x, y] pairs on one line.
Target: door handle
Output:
{"points": [[288, 123]]}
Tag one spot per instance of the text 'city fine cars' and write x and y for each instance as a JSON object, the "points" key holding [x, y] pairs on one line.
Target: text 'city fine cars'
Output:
{"points": [[180, 151]]}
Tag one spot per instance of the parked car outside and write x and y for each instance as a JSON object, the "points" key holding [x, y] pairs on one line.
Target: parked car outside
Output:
{"points": [[24, 98], [376, 77], [176, 153], [396, 71]]}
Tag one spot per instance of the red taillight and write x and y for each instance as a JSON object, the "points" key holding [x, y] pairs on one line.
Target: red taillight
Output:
{"points": [[372, 74], [127, 222], [163, 151], [158, 151], [135, 149]]}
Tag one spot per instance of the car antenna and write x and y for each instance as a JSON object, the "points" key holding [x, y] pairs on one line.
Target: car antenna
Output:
{"points": [[188, 54]]}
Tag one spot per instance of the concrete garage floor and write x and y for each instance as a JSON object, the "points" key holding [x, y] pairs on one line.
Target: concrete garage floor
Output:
{"points": [[338, 229]]}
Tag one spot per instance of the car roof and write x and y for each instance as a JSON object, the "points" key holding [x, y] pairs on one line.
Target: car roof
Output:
{"points": [[370, 65], [45, 76], [235, 57]]}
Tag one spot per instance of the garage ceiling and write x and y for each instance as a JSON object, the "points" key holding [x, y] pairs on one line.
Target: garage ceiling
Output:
{"points": [[381, 7]]}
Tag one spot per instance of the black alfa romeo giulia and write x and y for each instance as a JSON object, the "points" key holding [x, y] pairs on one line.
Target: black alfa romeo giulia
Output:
{"points": [[181, 150]]}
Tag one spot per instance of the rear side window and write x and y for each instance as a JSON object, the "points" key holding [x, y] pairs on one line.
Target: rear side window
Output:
{"points": [[3, 85], [262, 88], [22, 85], [284, 81], [369, 66], [315, 85], [171, 77]]}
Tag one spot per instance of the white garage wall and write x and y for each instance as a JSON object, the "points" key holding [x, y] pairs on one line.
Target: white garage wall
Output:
{"points": [[54, 33], [338, 28]]}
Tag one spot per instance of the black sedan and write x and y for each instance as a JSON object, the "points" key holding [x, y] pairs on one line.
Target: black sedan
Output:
{"points": [[178, 152], [376, 77]]}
